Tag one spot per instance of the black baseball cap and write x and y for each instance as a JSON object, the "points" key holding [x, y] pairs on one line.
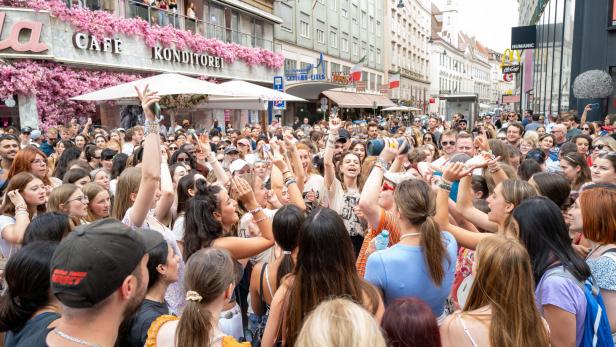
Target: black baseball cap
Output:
{"points": [[26, 130], [93, 261], [343, 135]]}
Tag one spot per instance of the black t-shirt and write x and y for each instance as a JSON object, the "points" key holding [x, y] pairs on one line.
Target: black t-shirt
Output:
{"points": [[34, 333], [145, 316]]}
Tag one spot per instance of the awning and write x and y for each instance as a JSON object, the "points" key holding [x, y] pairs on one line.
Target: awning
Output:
{"points": [[357, 100]]}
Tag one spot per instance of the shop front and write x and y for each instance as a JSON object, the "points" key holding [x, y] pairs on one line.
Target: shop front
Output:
{"points": [[48, 59]]}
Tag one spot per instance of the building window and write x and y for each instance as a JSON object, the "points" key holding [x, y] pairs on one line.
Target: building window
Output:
{"points": [[290, 64], [355, 48], [320, 36], [335, 67], [345, 13], [378, 28], [304, 29], [286, 14], [333, 39], [332, 5], [304, 65], [371, 24], [363, 49], [378, 56], [345, 44], [364, 19]]}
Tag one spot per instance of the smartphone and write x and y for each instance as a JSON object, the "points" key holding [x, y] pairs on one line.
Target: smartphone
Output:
{"points": [[594, 106], [155, 108], [266, 147]]}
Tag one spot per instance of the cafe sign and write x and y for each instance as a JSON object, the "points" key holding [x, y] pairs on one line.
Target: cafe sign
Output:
{"points": [[309, 73], [341, 78], [186, 57]]}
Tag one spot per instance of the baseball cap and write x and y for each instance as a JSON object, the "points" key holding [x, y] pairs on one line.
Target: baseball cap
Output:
{"points": [[238, 165], [231, 149], [398, 177], [35, 134], [121, 129], [343, 136], [26, 130], [93, 261], [245, 142], [151, 239]]}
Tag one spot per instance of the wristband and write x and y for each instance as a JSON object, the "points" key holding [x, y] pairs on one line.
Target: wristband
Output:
{"points": [[383, 163], [443, 185], [260, 219], [256, 210]]}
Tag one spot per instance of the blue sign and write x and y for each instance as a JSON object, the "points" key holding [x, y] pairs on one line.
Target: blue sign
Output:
{"points": [[279, 86], [309, 73]]}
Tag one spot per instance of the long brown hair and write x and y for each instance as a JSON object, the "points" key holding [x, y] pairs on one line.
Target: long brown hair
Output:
{"points": [[504, 281], [19, 183], [23, 161], [128, 183], [325, 269], [417, 204], [209, 272], [515, 192], [340, 176], [576, 159]]}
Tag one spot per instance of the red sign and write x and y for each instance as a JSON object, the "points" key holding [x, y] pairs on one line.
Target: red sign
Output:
{"points": [[511, 99], [33, 43], [508, 77], [432, 101]]}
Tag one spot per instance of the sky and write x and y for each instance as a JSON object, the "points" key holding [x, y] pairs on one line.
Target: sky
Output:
{"points": [[489, 20]]}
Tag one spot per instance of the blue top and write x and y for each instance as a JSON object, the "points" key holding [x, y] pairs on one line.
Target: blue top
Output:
{"points": [[400, 271]]}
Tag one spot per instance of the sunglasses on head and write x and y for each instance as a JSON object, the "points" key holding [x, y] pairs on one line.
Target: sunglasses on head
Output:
{"points": [[388, 186]]}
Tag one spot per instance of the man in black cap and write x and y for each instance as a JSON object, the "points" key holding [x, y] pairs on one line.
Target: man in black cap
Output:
{"points": [[25, 137], [342, 143], [99, 274]]}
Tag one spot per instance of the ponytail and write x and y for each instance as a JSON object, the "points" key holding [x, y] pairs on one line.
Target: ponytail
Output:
{"points": [[434, 249], [285, 226], [195, 327], [287, 265]]}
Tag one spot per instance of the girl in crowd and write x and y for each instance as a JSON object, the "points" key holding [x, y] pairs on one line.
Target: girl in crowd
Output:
{"points": [[28, 304], [99, 201], [31, 159], [80, 142], [327, 271], [209, 280], [100, 176], [25, 199], [62, 165], [551, 185], [78, 177], [118, 166], [359, 148], [583, 143], [107, 156], [500, 308], [527, 145], [70, 199], [101, 141], [409, 322], [186, 189], [343, 189], [602, 145], [546, 143], [59, 148], [593, 215], [313, 189], [49, 226], [163, 267], [422, 249], [93, 156], [340, 322], [604, 168], [177, 171], [575, 169]]}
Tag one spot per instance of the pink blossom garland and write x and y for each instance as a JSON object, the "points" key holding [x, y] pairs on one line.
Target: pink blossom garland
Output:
{"points": [[53, 85], [101, 24]]}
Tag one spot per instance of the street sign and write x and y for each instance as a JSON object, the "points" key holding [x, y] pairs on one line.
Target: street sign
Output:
{"points": [[507, 77], [324, 103], [508, 69], [279, 86]]}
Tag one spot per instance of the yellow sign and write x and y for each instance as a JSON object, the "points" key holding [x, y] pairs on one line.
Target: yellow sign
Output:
{"points": [[511, 56]]}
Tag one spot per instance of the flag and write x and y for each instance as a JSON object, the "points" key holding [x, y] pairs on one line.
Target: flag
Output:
{"points": [[394, 80], [356, 70]]}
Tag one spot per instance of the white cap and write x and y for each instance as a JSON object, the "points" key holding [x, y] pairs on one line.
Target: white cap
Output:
{"points": [[237, 165]]}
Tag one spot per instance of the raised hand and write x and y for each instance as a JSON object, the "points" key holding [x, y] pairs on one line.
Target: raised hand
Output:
{"points": [[147, 98], [334, 124], [17, 199], [455, 171], [481, 142], [243, 191]]}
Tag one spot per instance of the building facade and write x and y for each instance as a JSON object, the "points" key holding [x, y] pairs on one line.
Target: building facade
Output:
{"points": [[407, 47], [240, 45], [499, 86]]}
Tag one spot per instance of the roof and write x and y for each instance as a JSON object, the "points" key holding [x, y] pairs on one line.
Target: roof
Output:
{"points": [[357, 100]]}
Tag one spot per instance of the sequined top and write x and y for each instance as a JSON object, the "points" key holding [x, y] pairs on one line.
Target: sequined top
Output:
{"points": [[603, 269]]}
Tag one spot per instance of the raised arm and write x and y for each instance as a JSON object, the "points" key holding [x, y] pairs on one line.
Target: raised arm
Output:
{"points": [[239, 247], [328, 158], [167, 193], [14, 233], [372, 187], [585, 113], [219, 172], [150, 165], [296, 164], [466, 208], [295, 195]]}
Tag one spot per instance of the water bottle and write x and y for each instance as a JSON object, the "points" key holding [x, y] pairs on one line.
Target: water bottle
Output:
{"points": [[382, 240]]}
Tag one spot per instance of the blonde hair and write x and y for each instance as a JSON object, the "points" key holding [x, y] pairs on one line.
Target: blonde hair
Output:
{"points": [[128, 183], [340, 322], [532, 136], [91, 190]]}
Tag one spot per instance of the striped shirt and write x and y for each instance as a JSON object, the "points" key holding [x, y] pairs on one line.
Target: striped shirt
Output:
{"points": [[386, 222]]}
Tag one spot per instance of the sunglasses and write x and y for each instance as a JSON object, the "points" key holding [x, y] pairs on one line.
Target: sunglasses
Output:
{"points": [[82, 199], [173, 148], [182, 160], [387, 186], [586, 128], [448, 143], [599, 147]]}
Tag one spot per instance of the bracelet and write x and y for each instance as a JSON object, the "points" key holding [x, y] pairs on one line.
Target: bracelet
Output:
{"points": [[21, 207], [256, 210], [290, 182], [260, 219], [380, 167], [494, 168], [151, 128], [383, 163], [17, 213], [286, 172], [445, 181], [442, 184]]}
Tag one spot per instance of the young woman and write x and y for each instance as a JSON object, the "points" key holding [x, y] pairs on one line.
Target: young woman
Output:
{"points": [[70, 199], [209, 280], [344, 188], [423, 251], [101, 141], [542, 230], [546, 143], [327, 271], [604, 168], [93, 156], [186, 189], [409, 322], [25, 199], [583, 143], [78, 177], [313, 184], [31, 159], [80, 142], [601, 145], [28, 309], [338, 322], [99, 201], [359, 148], [575, 169], [593, 214], [500, 309], [163, 267], [62, 164]]}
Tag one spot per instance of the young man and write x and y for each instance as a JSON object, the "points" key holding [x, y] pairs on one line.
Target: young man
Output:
{"points": [[373, 131], [9, 146], [569, 121], [448, 144], [464, 144], [99, 274], [514, 134], [134, 136], [433, 128]]}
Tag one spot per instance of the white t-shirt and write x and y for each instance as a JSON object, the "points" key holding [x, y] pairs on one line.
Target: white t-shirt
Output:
{"points": [[128, 148], [315, 183], [343, 203], [6, 247], [242, 231]]}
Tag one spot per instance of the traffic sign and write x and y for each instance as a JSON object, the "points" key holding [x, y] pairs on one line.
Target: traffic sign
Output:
{"points": [[279, 86]]}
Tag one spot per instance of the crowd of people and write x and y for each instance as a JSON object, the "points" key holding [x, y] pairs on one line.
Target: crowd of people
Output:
{"points": [[434, 232]]}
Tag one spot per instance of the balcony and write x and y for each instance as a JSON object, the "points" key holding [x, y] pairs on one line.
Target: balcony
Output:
{"points": [[161, 17]]}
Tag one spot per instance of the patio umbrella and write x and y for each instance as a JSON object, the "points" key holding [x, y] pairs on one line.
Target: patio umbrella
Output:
{"points": [[164, 84], [247, 90], [401, 108]]}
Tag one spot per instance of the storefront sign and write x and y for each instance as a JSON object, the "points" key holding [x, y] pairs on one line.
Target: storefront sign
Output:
{"points": [[186, 57], [511, 99], [89, 42], [511, 69], [511, 57], [309, 73], [524, 37], [32, 43], [340, 78]]}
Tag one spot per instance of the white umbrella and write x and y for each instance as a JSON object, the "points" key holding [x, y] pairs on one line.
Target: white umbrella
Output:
{"points": [[401, 108], [164, 84], [247, 90]]}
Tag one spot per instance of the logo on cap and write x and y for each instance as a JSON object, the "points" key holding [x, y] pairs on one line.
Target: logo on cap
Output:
{"points": [[67, 278]]}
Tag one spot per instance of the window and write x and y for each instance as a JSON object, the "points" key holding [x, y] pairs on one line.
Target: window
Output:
{"points": [[378, 56], [332, 5], [320, 36], [289, 65], [355, 48], [304, 65], [304, 29], [371, 24], [335, 67], [364, 19], [286, 14], [363, 49], [333, 39], [344, 43], [344, 12], [378, 28], [257, 29]]}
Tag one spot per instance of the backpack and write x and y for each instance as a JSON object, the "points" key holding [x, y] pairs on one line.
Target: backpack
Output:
{"points": [[597, 331]]}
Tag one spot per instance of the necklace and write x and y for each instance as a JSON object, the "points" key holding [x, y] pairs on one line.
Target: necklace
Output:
{"points": [[409, 235], [74, 339]]}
